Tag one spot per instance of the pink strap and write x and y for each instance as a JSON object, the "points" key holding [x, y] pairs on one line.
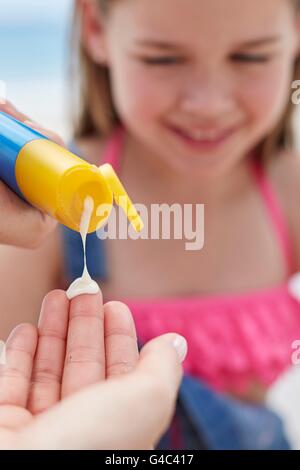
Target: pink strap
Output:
{"points": [[276, 213], [114, 147], [113, 153]]}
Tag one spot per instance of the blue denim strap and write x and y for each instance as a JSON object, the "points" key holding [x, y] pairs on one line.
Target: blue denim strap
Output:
{"points": [[228, 424]]}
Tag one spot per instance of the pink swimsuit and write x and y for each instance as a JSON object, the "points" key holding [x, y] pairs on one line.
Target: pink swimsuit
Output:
{"points": [[234, 340]]}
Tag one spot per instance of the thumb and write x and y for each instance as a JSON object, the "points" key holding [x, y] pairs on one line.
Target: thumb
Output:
{"points": [[163, 351], [159, 369]]}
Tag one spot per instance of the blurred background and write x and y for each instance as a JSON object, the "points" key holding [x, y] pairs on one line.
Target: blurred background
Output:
{"points": [[34, 61], [34, 42]]}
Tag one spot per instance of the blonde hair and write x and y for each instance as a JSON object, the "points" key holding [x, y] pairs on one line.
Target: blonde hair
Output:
{"points": [[96, 113], [94, 109]]}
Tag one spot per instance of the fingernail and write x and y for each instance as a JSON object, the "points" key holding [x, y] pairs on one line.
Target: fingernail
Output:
{"points": [[180, 344]]}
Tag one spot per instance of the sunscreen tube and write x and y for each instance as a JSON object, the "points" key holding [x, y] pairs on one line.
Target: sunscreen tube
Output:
{"points": [[55, 180]]}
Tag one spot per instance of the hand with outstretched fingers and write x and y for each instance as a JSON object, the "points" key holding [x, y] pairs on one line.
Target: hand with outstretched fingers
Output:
{"points": [[78, 381]]}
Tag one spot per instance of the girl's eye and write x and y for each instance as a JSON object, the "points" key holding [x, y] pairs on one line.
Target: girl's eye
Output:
{"points": [[246, 58], [250, 58], [161, 60]]}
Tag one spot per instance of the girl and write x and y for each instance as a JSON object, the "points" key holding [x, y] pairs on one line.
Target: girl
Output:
{"points": [[189, 100]]}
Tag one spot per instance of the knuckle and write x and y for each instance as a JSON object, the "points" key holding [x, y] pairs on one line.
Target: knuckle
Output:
{"points": [[14, 372], [119, 368], [84, 354], [44, 373]]}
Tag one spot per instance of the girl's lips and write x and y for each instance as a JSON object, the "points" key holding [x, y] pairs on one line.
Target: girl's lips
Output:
{"points": [[210, 143]]}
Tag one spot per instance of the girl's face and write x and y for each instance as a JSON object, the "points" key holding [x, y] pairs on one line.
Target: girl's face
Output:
{"points": [[199, 82]]}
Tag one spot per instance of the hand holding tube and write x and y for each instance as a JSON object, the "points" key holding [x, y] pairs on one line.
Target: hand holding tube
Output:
{"points": [[54, 180], [21, 224]]}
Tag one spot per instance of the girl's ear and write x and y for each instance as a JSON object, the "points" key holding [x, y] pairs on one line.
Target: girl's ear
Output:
{"points": [[92, 30]]}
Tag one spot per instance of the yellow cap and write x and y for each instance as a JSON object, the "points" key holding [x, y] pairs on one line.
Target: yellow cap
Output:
{"points": [[57, 182], [121, 197]]}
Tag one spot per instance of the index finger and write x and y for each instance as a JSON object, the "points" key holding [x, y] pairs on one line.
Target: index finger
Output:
{"points": [[8, 108]]}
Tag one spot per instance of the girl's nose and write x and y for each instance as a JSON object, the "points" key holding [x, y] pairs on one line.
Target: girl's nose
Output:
{"points": [[207, 100]]}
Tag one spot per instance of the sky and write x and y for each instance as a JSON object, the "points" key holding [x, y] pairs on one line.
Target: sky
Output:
{"points": [[34, 54], [30, 11], [33, 38]]}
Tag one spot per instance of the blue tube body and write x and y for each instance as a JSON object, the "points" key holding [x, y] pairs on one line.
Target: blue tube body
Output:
{"points": [[13, 136]]}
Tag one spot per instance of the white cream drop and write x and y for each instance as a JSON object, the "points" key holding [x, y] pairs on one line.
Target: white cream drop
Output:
{"points": [[84, 284]]}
